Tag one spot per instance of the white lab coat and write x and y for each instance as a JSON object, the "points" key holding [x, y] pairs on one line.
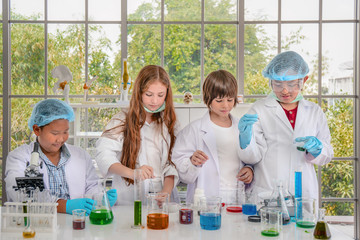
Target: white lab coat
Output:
{"points": [[272, 147], [199, 135], [79, 170], [109, 150]]}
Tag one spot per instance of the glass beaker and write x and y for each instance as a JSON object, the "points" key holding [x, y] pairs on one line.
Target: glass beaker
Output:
{"points": [[233, 198], [158, 210], [270, 221], [101, 213], [322, 230], [249, 204], [186, 214], [210, 213], [305, 212], [278, 200], [78, 219], [138, 193]]}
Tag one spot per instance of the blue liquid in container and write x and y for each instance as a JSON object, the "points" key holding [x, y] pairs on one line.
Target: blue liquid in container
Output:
{"points": [[249, 209], [210, 221], [298, 185]]}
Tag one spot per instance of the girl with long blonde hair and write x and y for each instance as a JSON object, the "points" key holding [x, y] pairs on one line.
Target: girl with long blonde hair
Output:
{"points": [[141, 137]]}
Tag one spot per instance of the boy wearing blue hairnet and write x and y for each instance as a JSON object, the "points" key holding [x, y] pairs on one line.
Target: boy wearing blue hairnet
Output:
{"points": [[274, 126], [68, 171]]}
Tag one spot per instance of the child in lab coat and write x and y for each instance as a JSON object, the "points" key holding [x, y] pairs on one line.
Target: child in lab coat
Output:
{"points": [[206, 152], [141, 137], [269, 131], [68, 171]]}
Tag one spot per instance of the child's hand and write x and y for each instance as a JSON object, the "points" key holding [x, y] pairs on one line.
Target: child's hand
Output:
{"points": [[147, 172], [198, 158], [245, 175]]}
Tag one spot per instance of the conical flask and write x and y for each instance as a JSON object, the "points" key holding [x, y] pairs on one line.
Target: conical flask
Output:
{"points": [[278, 200], [101, 213], [322, 230]]}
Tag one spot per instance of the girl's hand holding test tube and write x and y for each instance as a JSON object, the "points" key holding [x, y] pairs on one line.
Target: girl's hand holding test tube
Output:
{"points": [[198, 158]]}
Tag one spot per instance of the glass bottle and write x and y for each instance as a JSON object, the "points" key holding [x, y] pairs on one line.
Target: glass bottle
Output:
{"points": [[278, 200], [101, 213], [322, 230], [125, 76]]}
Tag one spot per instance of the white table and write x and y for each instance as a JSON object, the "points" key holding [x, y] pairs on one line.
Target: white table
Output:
{"points": [[233, 226]]}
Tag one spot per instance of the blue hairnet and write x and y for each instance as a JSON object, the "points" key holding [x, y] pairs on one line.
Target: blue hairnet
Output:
{"points": [[49, 110], [286, 66]]}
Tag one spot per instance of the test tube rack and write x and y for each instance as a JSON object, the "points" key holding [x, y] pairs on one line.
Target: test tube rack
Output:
{"points": [[43, 216]]}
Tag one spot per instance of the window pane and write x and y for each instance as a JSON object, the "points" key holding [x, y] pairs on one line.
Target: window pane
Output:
{"points": [[220, 10], [303, 39], [339, 113], [341, 216], [27, 59], [299, 10], [260, 47], [220, 48], [189, 10], [26, 10], [261, 10], [144, 10], [21, 109], [337, 178], [2, 65], [338, 10], [67, 47], [1, 128], [144, 47], [66, 10], [109, 10], [104, 58], [182, 57], [338, 54]]}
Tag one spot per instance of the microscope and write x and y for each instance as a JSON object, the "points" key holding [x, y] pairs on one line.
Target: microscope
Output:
{"points": [[33, 178]]}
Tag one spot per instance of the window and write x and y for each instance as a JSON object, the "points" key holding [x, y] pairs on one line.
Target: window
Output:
{"points": [[190, 39]]}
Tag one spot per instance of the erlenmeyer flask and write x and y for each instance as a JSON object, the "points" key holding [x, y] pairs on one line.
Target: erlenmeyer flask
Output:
{"points": [[101, 213], [278, 200]]}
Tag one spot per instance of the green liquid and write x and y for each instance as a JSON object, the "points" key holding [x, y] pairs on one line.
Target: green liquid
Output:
{"points": [[322, 231], [101, 216], [301, 149], [270, 233], [137, 213], [305, 224], [25, 211]]}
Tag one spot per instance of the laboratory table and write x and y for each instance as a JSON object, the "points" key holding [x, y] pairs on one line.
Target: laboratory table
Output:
{"points": [[233, 226]]}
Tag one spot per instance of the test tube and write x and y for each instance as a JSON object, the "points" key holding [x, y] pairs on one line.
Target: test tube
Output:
{"points": [[138, 187]]}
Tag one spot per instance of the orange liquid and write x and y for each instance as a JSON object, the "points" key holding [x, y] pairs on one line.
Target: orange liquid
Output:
{"points": [[157, 221], [29, 234]]}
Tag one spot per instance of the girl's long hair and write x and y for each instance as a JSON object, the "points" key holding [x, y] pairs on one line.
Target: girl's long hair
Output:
{"points": [[135, 117]]}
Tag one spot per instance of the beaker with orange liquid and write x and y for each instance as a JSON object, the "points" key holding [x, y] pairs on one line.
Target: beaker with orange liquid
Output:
{"points": [[158, 211]]}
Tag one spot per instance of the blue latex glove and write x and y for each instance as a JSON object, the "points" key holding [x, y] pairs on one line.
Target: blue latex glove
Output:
{"points": [[312, 145], [112, 196], [245, 128], [79, 203]]}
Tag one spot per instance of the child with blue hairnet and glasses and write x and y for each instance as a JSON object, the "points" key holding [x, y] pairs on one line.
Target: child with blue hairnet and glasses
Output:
{"points": [[273, 129], [68, 171]]}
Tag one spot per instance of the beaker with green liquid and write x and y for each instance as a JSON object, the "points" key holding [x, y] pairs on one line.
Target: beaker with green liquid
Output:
{"points": [[101, 213], [138, 193]]}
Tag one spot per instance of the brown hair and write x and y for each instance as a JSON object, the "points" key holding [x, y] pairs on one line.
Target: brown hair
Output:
{"points": [[220, 83], [135, 117]]}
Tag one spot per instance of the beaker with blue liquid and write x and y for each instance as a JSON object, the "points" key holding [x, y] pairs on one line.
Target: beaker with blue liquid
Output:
{"points": [[249, 205], [210, 213]]}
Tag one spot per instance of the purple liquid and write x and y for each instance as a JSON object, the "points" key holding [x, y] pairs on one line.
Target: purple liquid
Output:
{"points": [[78, 225]]}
